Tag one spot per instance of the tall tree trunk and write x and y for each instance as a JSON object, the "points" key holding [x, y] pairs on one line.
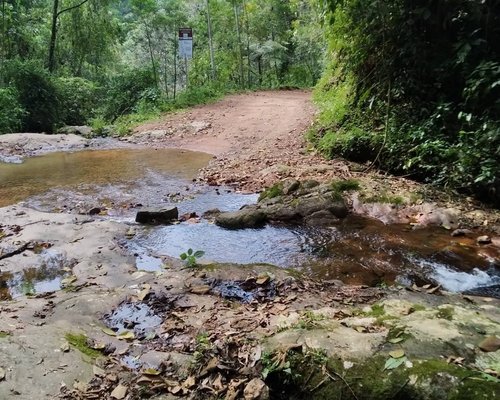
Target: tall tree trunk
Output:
{"points": [[247, 23], [3, 55], [240, 56], [53, 36], [211, 46], [176, 40], [151, 53]]}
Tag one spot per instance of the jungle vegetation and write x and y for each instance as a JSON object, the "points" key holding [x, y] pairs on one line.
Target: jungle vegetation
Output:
{"points": [[410, 87]]}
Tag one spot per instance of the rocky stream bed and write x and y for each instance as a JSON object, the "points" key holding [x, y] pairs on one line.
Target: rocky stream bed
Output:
{"points": [[317, 290]]}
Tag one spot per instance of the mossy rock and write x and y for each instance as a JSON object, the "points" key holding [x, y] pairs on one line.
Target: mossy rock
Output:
{"points": [[425, 380]]}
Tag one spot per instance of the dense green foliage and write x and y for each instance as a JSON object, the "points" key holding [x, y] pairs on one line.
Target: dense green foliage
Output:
{"points": [[415, 87], [105, 62]]}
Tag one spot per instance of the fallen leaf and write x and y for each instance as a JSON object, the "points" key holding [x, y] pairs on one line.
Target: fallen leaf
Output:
{"points": [[142, 294], [189, 382], [144, 379], [119, 392], [397, 353], [65, 347], [396, 340], [68, 281], [109, 332], [202, 289], [98, 371], [126, 335], [262, 280], [175, 390], [2, 374], [151, 371], [393, 363]]}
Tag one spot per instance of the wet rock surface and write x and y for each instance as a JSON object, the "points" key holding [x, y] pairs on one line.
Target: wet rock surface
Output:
{"points": [[161, 217], [291, 202]]}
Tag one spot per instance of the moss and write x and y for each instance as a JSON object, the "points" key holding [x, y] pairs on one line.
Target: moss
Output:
{"points": [[314, 378], [4, 335], [446, 313], [345, 185], [386, 199], [80, 342], [377, 310], [417, 307], [272, 192]]}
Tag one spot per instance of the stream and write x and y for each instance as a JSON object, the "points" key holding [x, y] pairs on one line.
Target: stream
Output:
{"points": [[120, 182]]}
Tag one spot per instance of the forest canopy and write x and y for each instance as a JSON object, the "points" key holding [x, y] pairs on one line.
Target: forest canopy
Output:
{"points": [[100, 62], [411, 87]]}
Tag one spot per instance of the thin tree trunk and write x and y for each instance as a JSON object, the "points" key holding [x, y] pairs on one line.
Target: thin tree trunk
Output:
{"points": [[175, 64], [237, 21], [53, 36], [151, 54], [247, 23], [165, 72], [211, 46], [4, 41]]}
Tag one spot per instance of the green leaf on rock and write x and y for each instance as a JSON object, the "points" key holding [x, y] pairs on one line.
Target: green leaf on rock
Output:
{"points": [[393, 363]]}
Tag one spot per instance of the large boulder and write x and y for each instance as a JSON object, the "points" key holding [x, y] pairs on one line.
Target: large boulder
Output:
{"points": [[245, 218], [161, 217], [307, 206], [321, 218]]}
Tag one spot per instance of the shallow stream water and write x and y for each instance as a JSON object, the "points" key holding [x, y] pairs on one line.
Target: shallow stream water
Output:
{"points": [[358, 251]]}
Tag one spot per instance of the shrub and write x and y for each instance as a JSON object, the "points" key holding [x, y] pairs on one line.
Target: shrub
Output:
{"points": [[125, 91], [78, 98], [416, 87], [12, 114], [37, 95]]}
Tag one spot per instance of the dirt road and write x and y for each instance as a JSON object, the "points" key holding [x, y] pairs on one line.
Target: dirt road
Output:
{"points": [[257, 139]]}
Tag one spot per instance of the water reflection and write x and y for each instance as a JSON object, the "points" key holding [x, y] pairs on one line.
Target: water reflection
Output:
{"points": [[99, 167]]}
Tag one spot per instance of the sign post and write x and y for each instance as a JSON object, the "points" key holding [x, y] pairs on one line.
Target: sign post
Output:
{"points": [[186, 47]]}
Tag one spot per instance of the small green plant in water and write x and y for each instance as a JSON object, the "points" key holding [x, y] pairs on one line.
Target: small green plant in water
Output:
{"points": [[190, 256]]}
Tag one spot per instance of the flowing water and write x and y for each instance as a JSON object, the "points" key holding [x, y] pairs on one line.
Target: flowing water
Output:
{"points": [[358, 250]]}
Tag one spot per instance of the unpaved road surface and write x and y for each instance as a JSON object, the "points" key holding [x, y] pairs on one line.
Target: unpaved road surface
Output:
{"points": [[257, 139]]}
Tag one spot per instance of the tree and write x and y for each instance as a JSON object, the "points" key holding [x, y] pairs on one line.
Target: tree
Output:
{"points": [[56, 13]]}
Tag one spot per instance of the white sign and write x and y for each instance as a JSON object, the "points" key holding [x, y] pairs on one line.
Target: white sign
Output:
{"points": [[186, 43]]}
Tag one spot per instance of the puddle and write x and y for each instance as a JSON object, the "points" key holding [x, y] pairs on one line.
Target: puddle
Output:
{"points": [[142, 318], [94, 167], [245, 291], [45, 278]]}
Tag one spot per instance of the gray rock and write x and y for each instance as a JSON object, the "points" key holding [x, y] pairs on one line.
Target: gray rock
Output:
{"points": [[245, 218], [483, 239], [162, 217], [290, 186], [308, 206], [84, 130], [256, 389], [321, 218], [461, 232], [309, 184], [281, 212]]}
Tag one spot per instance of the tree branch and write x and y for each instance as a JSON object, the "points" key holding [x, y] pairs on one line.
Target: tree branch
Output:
{"points": [[72, 7]]}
